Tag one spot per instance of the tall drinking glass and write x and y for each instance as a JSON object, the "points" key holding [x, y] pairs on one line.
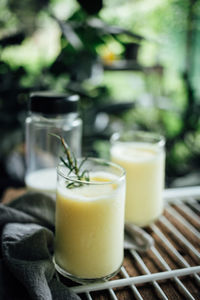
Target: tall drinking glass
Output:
{"points": [[142, 155], [90, 222]]}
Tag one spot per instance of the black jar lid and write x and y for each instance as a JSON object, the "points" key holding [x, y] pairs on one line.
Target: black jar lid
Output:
{"points": [[51, 103]]}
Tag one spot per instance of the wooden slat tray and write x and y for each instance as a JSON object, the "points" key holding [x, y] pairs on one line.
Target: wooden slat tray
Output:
{"points": [[171, 268]]}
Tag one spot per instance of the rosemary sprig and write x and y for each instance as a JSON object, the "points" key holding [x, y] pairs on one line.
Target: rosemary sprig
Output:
{"points": [[72, 165]]}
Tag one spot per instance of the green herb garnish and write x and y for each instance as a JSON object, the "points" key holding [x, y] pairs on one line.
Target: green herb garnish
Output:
{"points": [[72, 165]]}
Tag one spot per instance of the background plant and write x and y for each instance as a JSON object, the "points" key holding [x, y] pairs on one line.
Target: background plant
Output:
{"points": [[134, 63]]}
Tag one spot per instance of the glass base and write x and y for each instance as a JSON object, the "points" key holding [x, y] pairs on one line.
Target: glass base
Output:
{"points": [[80, 279], [146, 223]]}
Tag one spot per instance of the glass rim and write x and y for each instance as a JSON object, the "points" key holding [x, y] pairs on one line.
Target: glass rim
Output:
{"points": [[157, 138], [96, 160]]}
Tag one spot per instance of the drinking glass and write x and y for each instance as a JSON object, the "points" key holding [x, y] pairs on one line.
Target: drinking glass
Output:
{"points": [[142, 155], [90, 221]]}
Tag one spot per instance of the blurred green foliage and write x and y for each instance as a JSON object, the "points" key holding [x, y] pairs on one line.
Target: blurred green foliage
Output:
{"points": [[134, 63]]}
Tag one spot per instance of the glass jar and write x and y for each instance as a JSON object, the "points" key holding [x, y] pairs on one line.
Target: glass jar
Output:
{"points": [[50, 113]]}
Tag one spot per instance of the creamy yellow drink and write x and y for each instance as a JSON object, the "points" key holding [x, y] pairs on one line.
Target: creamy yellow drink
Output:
{"points": [[144, 164], [90, 226]]}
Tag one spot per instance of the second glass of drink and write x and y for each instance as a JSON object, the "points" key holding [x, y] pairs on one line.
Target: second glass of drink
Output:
{"points": [[142, 155]]}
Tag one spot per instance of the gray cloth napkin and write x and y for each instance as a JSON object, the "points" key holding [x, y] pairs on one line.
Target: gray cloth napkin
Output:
{"points": [[27, 234]]}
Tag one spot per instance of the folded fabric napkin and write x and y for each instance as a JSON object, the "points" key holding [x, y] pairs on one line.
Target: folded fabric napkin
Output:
{"points": [[27, 234]]}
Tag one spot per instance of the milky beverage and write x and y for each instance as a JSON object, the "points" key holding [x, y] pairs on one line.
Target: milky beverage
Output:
{"points": [[89, 226], [144, 165], [43, 180]]}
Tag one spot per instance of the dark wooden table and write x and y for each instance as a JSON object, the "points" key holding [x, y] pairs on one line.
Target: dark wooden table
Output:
{"points": [[177, 249]]}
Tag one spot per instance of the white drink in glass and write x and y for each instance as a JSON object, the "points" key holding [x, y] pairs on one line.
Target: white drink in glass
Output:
{"points": [[43, 180], [143, 159], [90, 225]]}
